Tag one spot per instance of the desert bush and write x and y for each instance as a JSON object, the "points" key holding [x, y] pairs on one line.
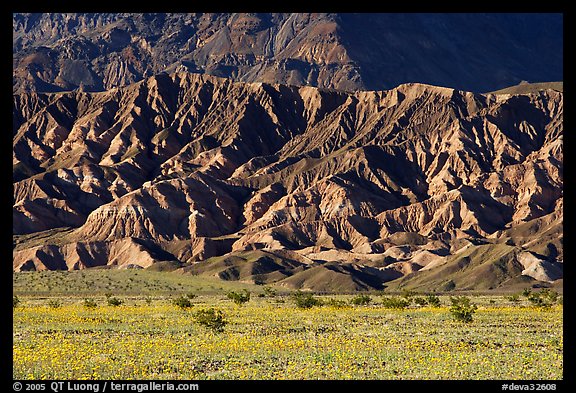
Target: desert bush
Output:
{"points": [[394, 302], [420, 301], [211, 319], [545, 299], [433, 301], [191, 295], [183, 302], [305, 300], [515, 298], [54, 303], [526, 292], [269, 291], [462, 309], [550, 294], [89, 303], [360, 300], [148, 300], [114, 301], [15, 301], [239, 297], [336, 303]]}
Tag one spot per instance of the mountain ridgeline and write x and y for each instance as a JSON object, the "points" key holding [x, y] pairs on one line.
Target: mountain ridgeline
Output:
{"points": [[348, 51], [417, 187]]}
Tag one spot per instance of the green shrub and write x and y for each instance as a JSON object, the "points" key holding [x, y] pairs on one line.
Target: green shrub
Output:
{"points": [[269, 291], [54, 303], [211, 319], [148, 300], [545, 299], [336, 303], [305, 300], [514, 298], [550, 294], [114, 301], [239, 297], [394, 302], [360, 300], [526, 292], [433, 301], [182, 302], [461, 309], [191, 295], [15, 301], [89, 303], [420, 301]]}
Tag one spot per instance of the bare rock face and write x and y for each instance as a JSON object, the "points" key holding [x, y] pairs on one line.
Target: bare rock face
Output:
{"points": [[376, 186], [261, 201], [81, 255], [539, 268], [101, 51]]}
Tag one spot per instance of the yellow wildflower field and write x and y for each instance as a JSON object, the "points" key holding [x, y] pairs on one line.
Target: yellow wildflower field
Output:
{"points": [[270, 338]]}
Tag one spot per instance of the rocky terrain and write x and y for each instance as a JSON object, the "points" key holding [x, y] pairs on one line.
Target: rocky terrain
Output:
{"points": [[472, 52], [417, 186]]}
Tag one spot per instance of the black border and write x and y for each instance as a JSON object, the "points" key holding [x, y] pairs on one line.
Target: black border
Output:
{"points": [[295, 6], [444, 386]]}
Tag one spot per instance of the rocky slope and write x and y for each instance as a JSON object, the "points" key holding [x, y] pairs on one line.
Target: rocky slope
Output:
{"points": [[474, 52], [418, 186]]}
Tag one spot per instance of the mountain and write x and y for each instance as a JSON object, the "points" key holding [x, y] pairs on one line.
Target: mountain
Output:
{"points": [[474, 52], [414, 187], [525, 87]]}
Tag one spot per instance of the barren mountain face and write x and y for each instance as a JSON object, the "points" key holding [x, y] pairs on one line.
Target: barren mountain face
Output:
{"points": [[417, 186], [474, 52]]}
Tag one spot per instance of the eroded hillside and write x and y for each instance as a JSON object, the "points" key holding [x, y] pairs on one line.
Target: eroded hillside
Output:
{"points": [[419, 186]]}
